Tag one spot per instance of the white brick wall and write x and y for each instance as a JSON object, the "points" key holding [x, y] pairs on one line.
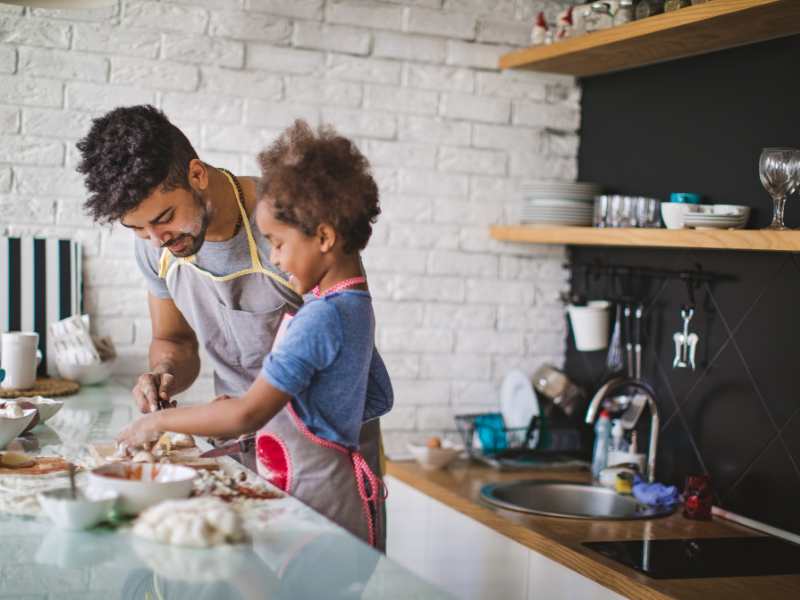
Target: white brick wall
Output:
{"points": [[413, 81]]}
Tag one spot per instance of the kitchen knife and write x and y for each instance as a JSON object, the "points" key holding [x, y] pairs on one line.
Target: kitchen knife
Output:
{"points": [[243, 444]]}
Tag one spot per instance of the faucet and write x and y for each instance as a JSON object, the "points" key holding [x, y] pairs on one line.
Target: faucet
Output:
{"points": [[611, 386]]}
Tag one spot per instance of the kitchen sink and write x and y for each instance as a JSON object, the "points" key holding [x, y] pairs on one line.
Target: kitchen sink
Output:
{"points": [[569, 500]]}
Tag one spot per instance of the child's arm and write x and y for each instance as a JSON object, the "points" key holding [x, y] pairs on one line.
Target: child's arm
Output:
{"points": [[227, 417], [380, 396]]}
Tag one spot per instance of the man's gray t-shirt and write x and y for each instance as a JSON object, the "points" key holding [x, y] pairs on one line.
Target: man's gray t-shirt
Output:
{"points": [[217, 258]]}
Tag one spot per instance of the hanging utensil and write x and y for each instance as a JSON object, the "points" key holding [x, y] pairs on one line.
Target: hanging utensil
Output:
{"points": [[614, 358], [638, 340], [685, 342], [629, 340]]}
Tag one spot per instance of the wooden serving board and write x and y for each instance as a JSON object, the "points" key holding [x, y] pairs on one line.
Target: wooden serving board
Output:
{"points": [[189, 457], [45, 465]]}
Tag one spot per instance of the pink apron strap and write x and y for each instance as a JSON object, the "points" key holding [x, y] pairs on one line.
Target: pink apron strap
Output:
{"points": [[370, 500]]}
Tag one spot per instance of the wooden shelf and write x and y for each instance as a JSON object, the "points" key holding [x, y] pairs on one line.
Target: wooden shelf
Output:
{"points": [[710, 239], [715, 25]]}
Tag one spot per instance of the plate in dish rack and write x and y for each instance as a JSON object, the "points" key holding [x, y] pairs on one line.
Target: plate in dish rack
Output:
{"points": [[518, 402]]}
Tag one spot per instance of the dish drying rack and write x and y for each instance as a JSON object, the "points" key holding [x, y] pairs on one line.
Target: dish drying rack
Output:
{"points": [[515, 448]]}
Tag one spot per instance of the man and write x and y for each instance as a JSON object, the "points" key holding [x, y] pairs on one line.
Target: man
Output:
{"points": [[207, 269]]}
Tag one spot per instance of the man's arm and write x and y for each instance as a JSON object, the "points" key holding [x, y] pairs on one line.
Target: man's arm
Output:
{"points": [[174, 356]]}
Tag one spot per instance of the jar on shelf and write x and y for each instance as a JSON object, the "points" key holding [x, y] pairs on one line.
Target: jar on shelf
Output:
{"points": [[601, 16], [648, 8], [671, 5], [625, 12]]}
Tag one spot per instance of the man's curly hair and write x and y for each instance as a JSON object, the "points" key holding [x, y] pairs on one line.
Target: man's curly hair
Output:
{"points": [[311, 178], [126, 155]]}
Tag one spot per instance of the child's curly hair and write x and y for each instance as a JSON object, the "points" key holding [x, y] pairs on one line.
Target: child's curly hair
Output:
{"points": [[310, 178]]}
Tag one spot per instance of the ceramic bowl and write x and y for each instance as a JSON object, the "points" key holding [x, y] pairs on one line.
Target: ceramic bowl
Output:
{"points": [[47, 407], [672, 214], [733, 210], [87, 509], [86, 374], [11, 427], [434, 458], [141, 485]]}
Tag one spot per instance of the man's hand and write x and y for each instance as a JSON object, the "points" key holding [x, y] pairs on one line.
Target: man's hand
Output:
{"points": [[153, 391]]}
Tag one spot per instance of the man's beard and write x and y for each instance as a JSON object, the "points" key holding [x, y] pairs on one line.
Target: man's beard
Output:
{"points": [[196, 240]]}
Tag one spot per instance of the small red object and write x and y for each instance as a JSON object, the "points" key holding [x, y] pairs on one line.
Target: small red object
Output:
{"points": [[697, 498]]}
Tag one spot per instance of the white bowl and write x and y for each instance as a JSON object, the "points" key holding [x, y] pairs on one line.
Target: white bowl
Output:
{"points": [[86, 374], [11, 427], [733, 210], [434, 458], [89, 507], [672, 214], [141, 485], [47, 407]]}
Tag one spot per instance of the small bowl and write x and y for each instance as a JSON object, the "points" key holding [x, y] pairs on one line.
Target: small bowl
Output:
{"points": [[141, 485], [12, 427], [89, 507], [47, 407], [672, 214], [86, 374], [434, 458]]}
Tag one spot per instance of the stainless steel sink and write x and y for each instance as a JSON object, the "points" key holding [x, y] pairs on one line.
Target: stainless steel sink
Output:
{"points": [[570, 500]]}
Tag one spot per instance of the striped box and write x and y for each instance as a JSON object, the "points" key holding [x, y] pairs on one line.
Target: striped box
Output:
{"points": [[40, 283]]}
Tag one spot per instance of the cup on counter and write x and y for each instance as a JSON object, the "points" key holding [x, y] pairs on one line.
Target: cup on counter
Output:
{"points": [[20, 358], [590, 325]]}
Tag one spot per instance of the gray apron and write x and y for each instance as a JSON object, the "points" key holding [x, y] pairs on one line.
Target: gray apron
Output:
{"points": [[236, 319]]}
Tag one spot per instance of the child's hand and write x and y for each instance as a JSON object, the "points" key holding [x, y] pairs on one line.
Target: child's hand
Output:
{"points": [[143, 430]]}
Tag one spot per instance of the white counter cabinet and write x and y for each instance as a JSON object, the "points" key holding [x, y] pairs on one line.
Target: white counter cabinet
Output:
{"points": [[470, 560]]}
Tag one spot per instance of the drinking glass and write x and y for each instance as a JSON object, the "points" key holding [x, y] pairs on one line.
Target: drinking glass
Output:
{"points": [[601, 211], [622, 211], [779, 170]]}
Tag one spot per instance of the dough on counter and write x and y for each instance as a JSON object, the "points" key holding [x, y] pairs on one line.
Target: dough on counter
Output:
{"points": [[16, 460], [196, 523], [182, 440], [143, 456]]}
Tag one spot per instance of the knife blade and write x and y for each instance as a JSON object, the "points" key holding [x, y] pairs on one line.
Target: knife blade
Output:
{"points": [[243, 444]]}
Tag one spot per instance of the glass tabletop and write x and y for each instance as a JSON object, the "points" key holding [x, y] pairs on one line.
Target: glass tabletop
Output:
{"points": [[295, 553]]}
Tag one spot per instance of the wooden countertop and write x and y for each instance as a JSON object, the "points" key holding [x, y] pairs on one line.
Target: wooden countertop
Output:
{"points": [[560, 539]]}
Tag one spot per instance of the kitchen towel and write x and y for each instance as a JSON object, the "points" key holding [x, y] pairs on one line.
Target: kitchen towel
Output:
{"points": [[40, 282]]}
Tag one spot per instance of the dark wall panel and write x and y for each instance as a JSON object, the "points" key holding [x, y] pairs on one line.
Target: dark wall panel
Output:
{"points": [[698, 125]]}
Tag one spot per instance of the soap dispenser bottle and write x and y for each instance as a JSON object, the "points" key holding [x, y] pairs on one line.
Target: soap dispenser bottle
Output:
{"points": [[602, 438]]}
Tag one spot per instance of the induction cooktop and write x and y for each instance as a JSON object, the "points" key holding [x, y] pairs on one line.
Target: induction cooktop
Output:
{"points": [[711, 557]]}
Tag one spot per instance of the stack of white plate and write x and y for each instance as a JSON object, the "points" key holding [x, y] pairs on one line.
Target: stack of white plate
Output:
{"points": [[711, 221], [558, 202]]}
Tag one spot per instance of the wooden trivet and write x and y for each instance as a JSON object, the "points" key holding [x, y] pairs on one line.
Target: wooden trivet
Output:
{"points": [[44, 466], [45, 386]]}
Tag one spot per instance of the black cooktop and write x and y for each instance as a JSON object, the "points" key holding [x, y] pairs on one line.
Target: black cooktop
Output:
{"points": [[712, 557]]}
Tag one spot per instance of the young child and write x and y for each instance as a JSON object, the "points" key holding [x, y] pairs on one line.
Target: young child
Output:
{"points": [[317, 203]]}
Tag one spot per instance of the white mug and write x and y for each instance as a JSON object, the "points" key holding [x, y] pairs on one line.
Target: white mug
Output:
{"points": [[20, 359]]}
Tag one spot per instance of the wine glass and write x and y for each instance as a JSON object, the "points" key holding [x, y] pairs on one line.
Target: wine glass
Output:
{"points": [[779, 170]]}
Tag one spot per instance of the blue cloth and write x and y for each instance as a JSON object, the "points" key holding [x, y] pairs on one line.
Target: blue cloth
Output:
{"points": [[328, 363], [654, 494]]}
